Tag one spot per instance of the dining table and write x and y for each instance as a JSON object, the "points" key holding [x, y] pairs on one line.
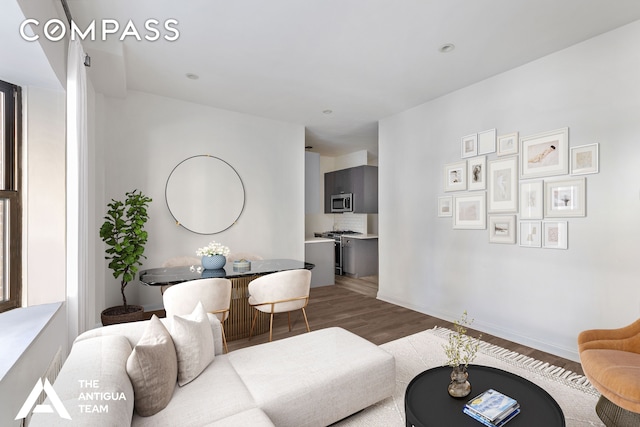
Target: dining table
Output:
{"points": [[238, 324]]}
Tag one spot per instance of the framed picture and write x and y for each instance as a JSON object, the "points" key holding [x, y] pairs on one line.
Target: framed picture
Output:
{"points": [[469, 211], [545, 154], [565, 198], [508, 144], [530, 234], [469, 146], [455, 176], [445, 206], [503, 185], [554, 234], [502, 229], [477, 173], [487, 142], [584, 159], [531, 200]]}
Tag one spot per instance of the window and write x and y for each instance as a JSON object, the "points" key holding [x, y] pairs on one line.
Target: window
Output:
{"points": [[10, 197]]}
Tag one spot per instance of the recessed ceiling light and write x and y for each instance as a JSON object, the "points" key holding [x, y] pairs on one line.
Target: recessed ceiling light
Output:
{"points": [[192, 76], [446, 48], [327, 111]]}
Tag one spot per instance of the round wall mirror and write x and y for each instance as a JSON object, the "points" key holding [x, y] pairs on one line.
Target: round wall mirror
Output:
{"points": [[205, 194]]}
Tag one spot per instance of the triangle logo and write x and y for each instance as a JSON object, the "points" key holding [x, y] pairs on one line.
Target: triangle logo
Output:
{"points": [[38, 388]]}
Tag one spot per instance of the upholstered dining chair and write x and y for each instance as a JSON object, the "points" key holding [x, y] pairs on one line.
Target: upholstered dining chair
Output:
{"points": [[280, 292], [610, 359], [214, 293], [178, 261]]}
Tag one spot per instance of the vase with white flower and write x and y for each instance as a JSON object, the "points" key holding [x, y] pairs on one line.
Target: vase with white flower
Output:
{"points": [[214, 255], [461, 350]]}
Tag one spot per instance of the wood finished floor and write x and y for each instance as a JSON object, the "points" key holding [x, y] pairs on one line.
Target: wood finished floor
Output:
{"points": [[351, 304]]}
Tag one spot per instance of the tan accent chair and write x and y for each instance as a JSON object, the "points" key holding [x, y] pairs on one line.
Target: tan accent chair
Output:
{"points": [[214, 293], [280, 292], [611, 361], [236, 256]]}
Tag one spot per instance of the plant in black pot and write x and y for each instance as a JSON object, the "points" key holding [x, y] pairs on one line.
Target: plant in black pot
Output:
{"points": [[123, 232]]}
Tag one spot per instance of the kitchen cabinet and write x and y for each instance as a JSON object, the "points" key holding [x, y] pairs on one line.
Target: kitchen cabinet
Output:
{"points": [[360, 256], [361, 181], [320, 252]]}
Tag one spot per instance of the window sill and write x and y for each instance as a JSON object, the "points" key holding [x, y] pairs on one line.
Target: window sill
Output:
{"points": [[19, 328]]}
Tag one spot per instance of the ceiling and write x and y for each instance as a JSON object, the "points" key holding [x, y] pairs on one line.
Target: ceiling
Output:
{"points": [[364, 60]]}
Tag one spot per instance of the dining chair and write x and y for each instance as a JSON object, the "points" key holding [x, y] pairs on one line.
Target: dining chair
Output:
{"points": [[214, 293], [280, 292]]}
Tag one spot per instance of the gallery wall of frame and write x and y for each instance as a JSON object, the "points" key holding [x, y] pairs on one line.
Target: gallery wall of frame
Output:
{"points": [[521, 188]]}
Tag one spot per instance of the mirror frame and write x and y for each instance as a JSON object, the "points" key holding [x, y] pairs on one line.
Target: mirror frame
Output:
{"points": [[178, 222]]}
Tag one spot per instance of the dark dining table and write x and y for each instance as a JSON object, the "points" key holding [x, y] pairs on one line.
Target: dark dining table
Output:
{"points": [[238, 324]]}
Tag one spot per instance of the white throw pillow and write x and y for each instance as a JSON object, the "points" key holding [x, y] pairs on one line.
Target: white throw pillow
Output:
{"points": [[152, 367], [194, 344]]}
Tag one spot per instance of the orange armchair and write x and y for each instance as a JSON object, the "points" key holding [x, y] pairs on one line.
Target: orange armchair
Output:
{"points": [[611, 361]]}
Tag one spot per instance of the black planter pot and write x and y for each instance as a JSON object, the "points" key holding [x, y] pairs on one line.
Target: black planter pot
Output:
{"points": [[118, 314]]}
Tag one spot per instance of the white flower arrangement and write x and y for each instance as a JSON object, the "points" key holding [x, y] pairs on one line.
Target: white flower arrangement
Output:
{"points": [[213, 248], [461, 348]]}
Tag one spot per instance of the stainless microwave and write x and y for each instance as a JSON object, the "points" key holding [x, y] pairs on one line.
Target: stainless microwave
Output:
{"points": [[342, 203]]}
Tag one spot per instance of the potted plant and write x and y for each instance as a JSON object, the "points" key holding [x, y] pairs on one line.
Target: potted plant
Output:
{"points": [[461, 350], [214, 255], [123, 232]]}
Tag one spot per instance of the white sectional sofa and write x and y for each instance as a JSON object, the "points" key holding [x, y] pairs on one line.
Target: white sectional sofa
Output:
{"points": [[313, 379]]}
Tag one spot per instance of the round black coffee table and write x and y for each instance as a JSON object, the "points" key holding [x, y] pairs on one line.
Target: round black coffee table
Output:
{"points": [[427, 402]]}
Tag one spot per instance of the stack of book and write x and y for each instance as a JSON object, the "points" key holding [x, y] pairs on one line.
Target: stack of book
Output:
{"points": [[492, 408]]}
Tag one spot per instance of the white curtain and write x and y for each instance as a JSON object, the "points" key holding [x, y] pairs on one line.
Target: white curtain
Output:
{"points": [[77, 195]]}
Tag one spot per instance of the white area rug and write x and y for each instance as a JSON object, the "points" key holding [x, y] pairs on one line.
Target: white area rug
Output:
{"points": [[421, 351]]}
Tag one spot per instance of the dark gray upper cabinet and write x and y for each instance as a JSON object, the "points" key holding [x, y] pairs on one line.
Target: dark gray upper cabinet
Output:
{"points": [[362, 181]]}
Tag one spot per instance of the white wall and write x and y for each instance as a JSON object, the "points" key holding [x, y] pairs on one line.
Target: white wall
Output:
{"points": [[145, 136], [538, 297]]}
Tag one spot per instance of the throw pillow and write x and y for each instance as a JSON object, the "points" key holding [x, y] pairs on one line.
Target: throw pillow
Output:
{"points": [[152, 367], [194, 344]]}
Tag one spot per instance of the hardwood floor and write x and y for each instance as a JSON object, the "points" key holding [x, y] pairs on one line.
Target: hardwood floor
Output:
{"points": [[351, 304]]}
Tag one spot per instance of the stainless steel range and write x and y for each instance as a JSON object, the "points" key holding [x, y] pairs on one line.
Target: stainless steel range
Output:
{"points": [[338, 245]]}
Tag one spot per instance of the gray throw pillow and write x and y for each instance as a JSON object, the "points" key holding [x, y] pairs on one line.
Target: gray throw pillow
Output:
{"points": [[152, 368]]}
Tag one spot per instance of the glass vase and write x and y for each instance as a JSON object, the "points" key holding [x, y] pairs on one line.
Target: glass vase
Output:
{"points": [[459, 386]]}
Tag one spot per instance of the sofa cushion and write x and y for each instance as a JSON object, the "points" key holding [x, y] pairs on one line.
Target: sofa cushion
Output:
{"points": [[217, 393], [93, 385], [133, 331], [153, 369], [194, 344], [253, 417], [317, 378]]}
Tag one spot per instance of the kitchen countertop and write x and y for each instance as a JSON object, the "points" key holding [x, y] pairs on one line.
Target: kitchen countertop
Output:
{"points": [[318, 240], [361, 236]]}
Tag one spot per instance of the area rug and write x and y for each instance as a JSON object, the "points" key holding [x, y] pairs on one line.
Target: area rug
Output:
{"points": [[421, 351]]}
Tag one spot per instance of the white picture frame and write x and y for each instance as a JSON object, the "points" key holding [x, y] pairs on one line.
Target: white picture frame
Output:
{"points": [[531, 200], [445, 206], [585, 159], [455, 176], [502, 180], [545, 154], [469, 211], [487, 141], [477, 173], [469, 146], [507, 144], [565, 198], [555, 235], [530, 234], [502, 229]]}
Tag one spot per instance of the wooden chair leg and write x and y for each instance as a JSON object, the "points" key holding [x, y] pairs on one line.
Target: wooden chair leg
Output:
{"points": [[305, 319], [255, 317], [271, 328]]}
